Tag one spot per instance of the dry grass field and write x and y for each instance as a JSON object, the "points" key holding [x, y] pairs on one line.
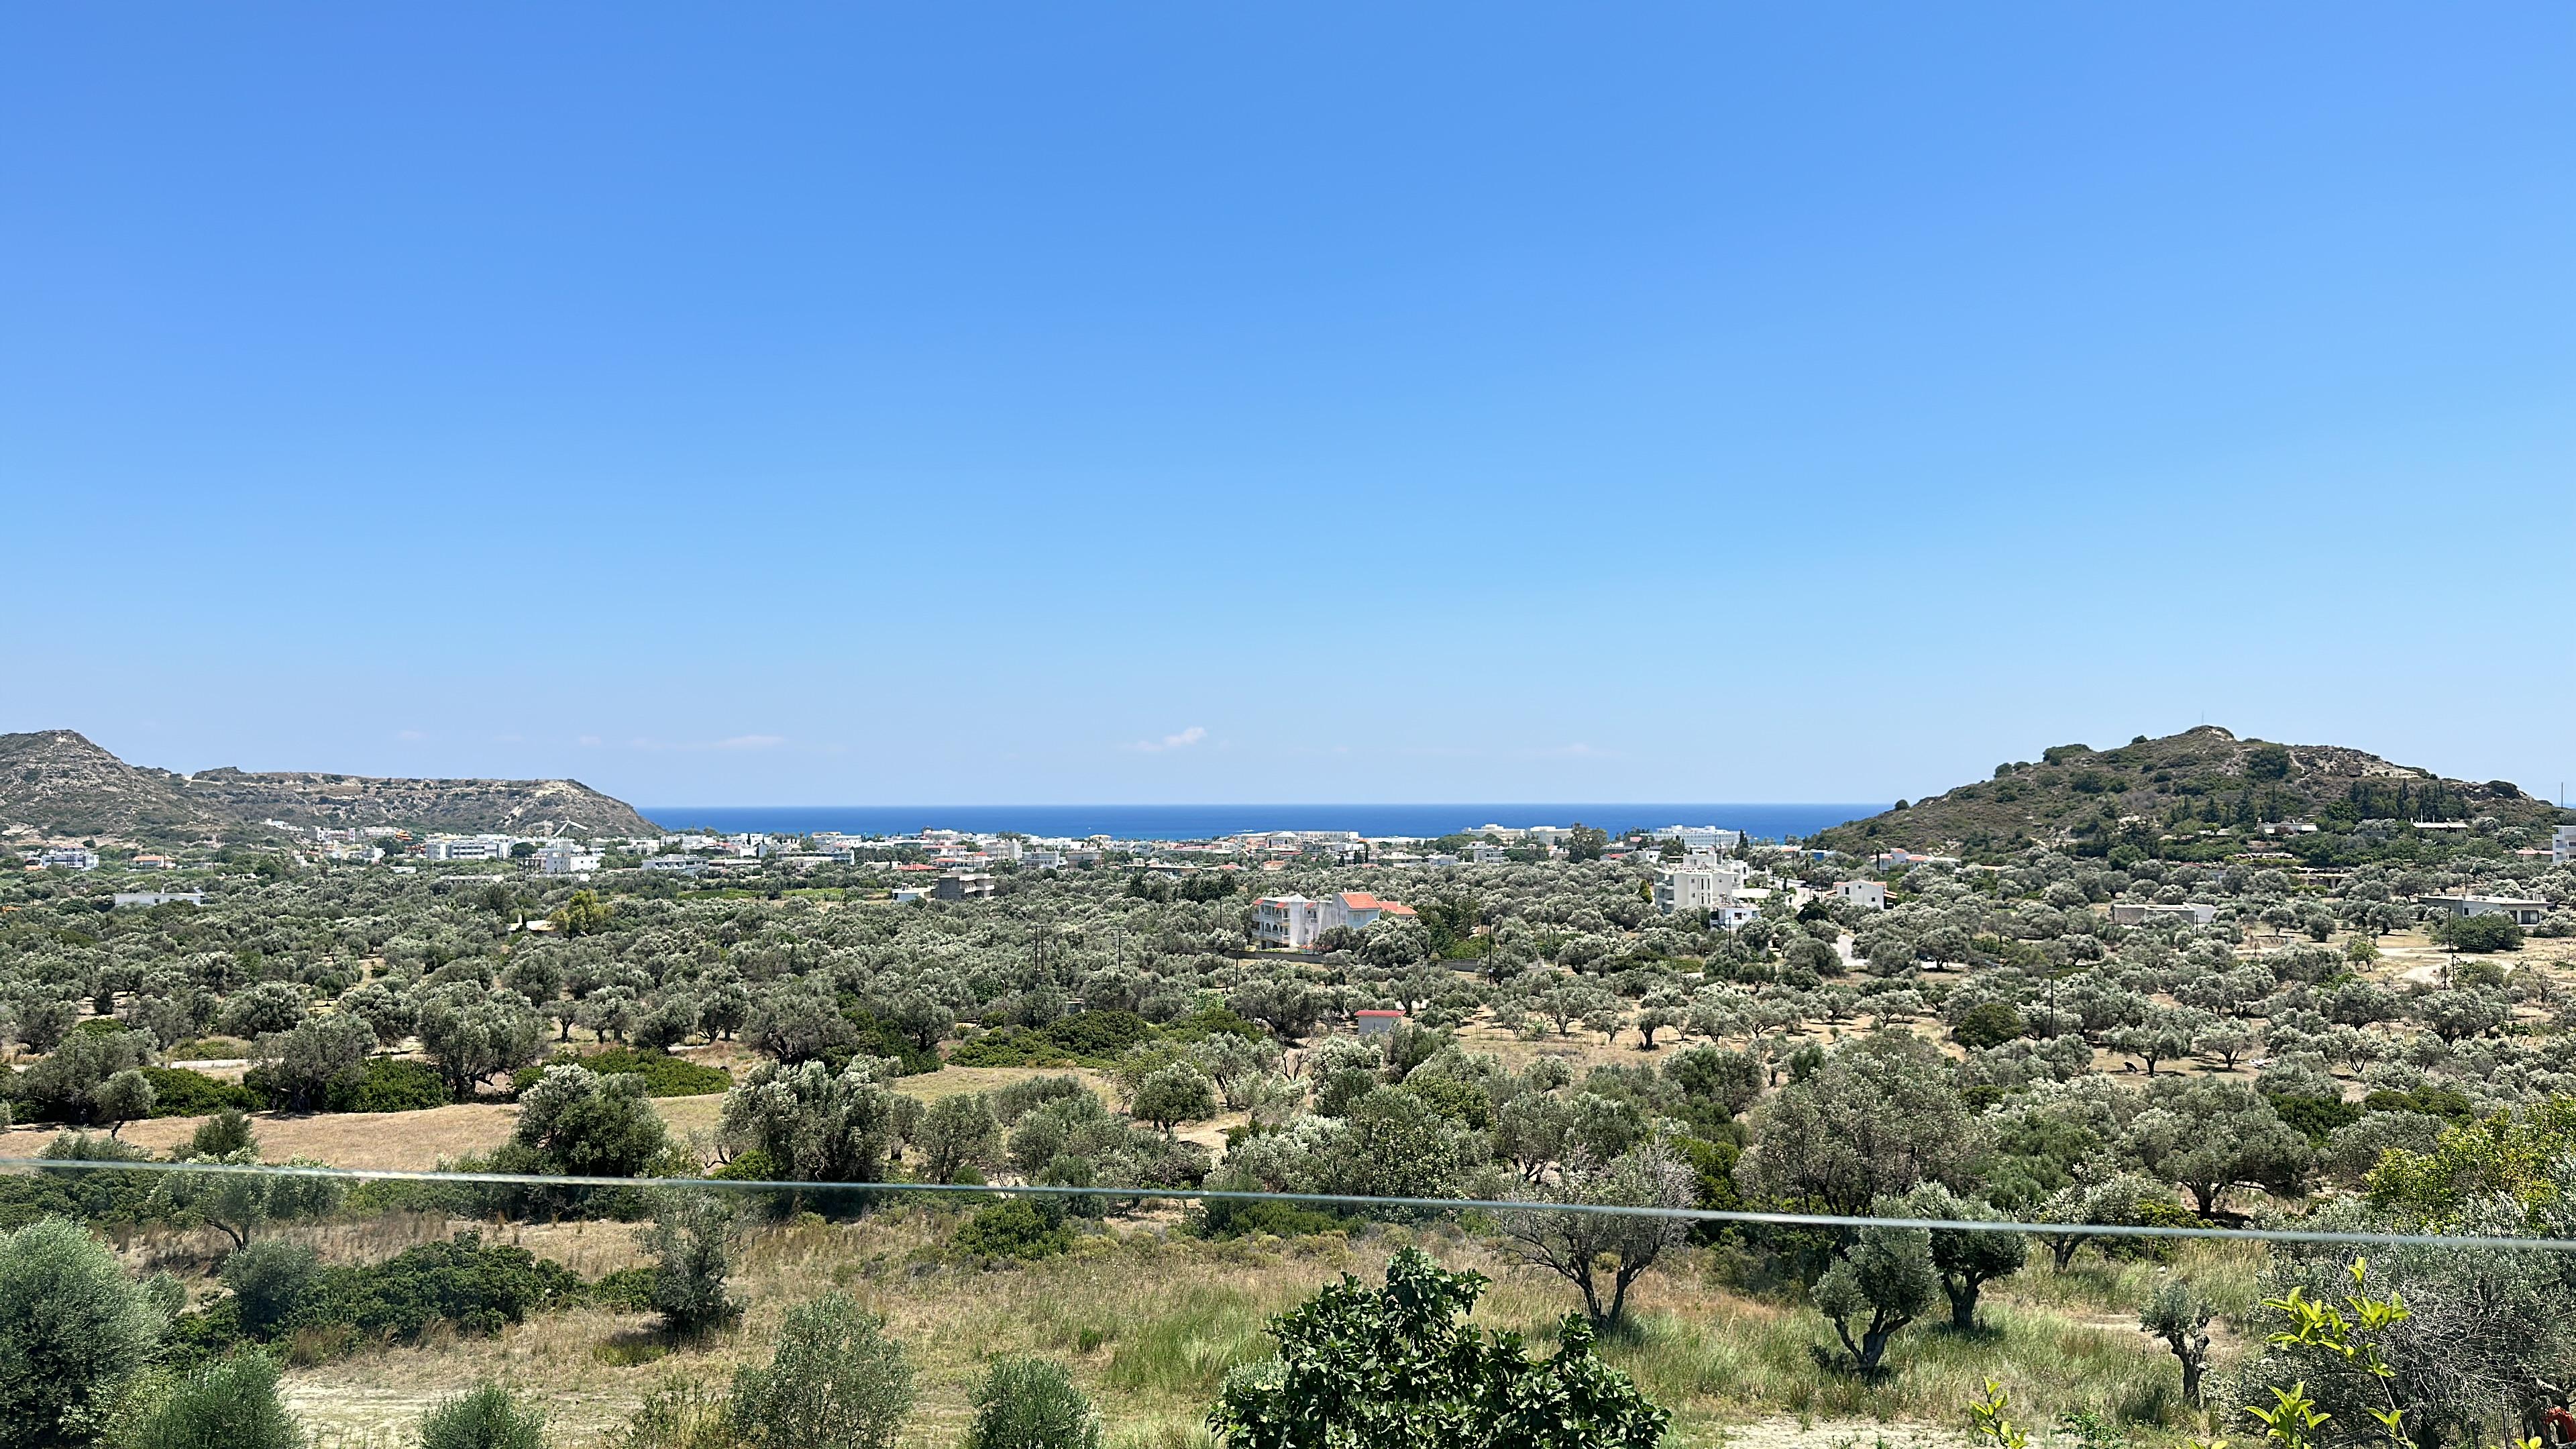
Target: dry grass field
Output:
{"points": [[1151, 1323]]}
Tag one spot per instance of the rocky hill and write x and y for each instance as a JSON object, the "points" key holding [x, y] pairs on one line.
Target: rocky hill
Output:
{"points": [[61, 784], [2203, 792]]}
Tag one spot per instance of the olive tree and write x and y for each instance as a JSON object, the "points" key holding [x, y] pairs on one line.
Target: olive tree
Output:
{"points": [[74, 1332], [1581, 1247], [957, 1133], [1884, 1281], [589, 1124], [2207, 1135], [815, 1125], [1877, 1117], [1966, 1259], [835, 1382]]}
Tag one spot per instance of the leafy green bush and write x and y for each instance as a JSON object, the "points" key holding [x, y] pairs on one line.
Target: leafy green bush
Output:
{"points": [[74, 1331], [1020, 1228], [269, 1281], [1031, 1403], [835, 1380], [232, 1403], [664, 1075], [179, 1092], [1231, 1218], [628, 1290], [2490, 932], [389, 1084], [1083, 1039], [478, 1287], [1012, 1046], [692, 1241], [1399, 1366], [1987, 1025], [487, 1416]]}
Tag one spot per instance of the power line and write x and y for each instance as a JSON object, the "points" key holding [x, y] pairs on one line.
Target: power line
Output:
{"points": [[1321, 1199]]}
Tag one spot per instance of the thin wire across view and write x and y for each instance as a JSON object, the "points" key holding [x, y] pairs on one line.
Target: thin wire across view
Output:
{"points": [[1318, 1199]]}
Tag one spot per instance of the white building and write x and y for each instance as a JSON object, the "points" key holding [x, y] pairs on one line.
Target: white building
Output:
{"points": [[1869, 895], [1699, 837], [1290, 922], [2562, 846], [1696, 887], [148, 899], [463, 847], [70, 857], [962, 885], [2522, 912], [674, 864], [563, 860], [1483, 854]]}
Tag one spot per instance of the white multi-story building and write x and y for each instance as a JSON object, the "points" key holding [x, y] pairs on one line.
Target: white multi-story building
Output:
{"points": [[70, 857], [463, 847], [675, 864], [1290, 922], [1696, 886], [2562, 846], [564, 860]]}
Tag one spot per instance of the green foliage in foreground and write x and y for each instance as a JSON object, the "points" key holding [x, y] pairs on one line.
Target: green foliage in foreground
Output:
{"points": [[74, 1329], [1396, 1366], [231, 1403]]}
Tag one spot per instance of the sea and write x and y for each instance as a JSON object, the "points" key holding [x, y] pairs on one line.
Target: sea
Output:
{"points": [[1205, 822]]}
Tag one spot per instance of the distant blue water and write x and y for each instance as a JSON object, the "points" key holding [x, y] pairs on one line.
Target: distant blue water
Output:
{"points": [[1201, 822]]}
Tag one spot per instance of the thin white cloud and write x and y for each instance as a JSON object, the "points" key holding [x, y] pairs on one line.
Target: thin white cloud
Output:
{"points": [[1181, 741], [736, 742], [410, 735], [587, 740]]}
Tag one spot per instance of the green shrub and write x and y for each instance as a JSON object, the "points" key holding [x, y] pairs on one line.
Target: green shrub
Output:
{"points": [[1012, 1046], [691, 1239], [477, 1287], [664, 1075], [1020, 1228], [835, 1382], [1031, 1403], [74, 1331], [229, 1404], [1358, 1365], [389, 1084], [1084, 1039], [628, 1290], [1986, 1025], [226, 1132], [487, 1416], [752, 1166], [1230, 1218], [269, 1281], [179, 1092]]}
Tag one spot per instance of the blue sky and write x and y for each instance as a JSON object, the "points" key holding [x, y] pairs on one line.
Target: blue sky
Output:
{"points": [[1172, 403]]}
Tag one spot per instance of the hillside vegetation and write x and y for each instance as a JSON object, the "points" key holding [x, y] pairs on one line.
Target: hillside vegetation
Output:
{"points": [[60, 783], [2200, 795]]}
